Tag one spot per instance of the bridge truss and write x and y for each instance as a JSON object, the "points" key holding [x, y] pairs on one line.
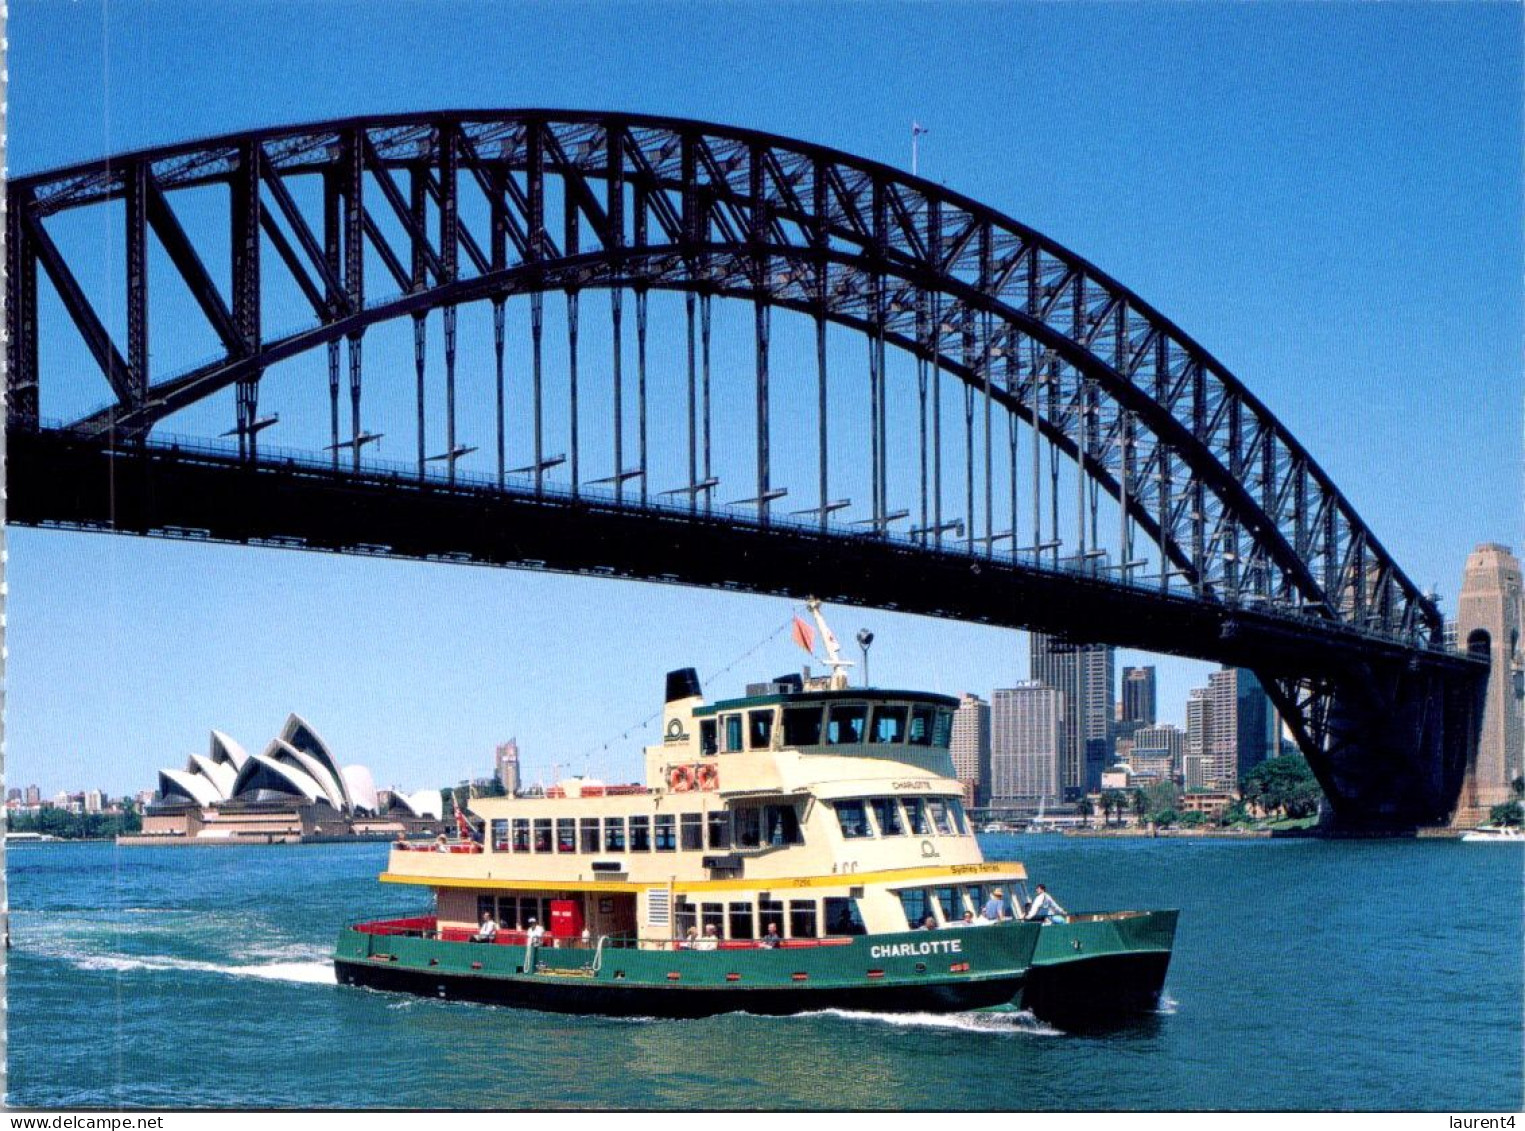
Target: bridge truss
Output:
{"points": [[1029, 442]]}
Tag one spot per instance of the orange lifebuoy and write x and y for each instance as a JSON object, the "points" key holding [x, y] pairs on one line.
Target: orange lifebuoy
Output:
{"points": [[708, 778], [680, 779]]}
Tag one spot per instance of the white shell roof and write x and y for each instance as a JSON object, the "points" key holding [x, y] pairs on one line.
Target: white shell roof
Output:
{"points": [[198, 788], [360, 787], [298, 779]]}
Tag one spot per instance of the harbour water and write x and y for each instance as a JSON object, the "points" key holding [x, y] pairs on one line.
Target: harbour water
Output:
{"points": [[1357, 975]]}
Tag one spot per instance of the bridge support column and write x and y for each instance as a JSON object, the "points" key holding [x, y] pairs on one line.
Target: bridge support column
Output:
{"points": [[1388, 742]]}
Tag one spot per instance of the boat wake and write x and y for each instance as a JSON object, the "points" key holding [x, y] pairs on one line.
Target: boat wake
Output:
{"points": [[310, 973], [1013, 1022]]}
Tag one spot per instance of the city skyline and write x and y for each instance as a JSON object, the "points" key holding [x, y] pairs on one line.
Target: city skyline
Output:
{"points": [[135, 647]]}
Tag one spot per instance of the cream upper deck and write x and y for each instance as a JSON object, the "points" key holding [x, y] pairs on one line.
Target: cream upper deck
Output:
{"points": [[730, 804]]}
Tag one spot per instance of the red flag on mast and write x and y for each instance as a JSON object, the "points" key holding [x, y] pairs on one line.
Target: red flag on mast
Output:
{"points": [[804, 636]]}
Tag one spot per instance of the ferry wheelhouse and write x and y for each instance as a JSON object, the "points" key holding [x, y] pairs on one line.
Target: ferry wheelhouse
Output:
{"points": [[801, 848]]}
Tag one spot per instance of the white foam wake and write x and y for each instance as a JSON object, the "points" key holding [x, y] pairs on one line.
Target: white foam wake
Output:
{"points": [[1003, 1023], [313, 973]]}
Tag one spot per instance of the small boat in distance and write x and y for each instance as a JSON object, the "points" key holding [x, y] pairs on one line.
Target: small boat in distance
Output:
{"points": [[1493, 834], [800, 848]]}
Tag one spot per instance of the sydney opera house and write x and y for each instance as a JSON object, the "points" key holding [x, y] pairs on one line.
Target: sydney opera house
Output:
{"points": [[293, 792]]}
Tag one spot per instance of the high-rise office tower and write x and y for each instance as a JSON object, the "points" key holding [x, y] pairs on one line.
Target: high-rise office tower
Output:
{"points": [[506, 766], [1488, 621], [1084, 674], [1026, 745], [1138, 701], [1195, 772], [970, 746], [1230, 729]]}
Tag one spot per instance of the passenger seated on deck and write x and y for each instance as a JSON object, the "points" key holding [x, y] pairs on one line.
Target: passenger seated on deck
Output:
{"points": [[929, 924], [966, 921], [488, 931], [995, 907], [441, 844], [1045, 907], [770, 937], [710, 941], [687, 941]]}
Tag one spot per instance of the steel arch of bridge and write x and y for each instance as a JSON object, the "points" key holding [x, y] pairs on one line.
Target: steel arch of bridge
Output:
{"points": [[1241, 514]]}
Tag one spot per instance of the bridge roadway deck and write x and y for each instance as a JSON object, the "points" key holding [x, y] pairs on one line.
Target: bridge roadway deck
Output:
{"points": [[60, 478]]}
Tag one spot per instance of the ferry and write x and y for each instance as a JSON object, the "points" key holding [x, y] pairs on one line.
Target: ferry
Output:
{"points": [[804, 847]]}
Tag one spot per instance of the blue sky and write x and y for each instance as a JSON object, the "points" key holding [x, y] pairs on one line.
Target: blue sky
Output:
{"points": [[1328, 197]]}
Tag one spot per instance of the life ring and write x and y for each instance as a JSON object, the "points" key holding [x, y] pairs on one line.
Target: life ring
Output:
{"points": [[707, 778], [680, 779]]}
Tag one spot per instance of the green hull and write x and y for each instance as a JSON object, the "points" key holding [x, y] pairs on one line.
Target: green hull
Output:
{"points": [[944, 971], [1100, 968]]}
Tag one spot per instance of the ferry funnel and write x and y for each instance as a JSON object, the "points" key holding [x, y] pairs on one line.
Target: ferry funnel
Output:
{"points": [[683, 684]]}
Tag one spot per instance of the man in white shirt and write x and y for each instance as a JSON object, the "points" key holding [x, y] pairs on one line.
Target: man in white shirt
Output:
{"points": [[1045, 907], [709, 941], [488, 931], [536, 933]]}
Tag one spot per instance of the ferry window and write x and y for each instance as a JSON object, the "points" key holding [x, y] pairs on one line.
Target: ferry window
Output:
{"points": [[487, 903], [566, 834], [942, 733], [521, 842], [614, 834], [748, 828], [921, 726], [741, 921], [692, 829], [853, 818], [845, 723], [942, 821], [802, 918], [732, 733], [712, 915], [842, 916], [542, 834], [770, 911], [666, 838], [889, 725], [948, 899], [708, 743], [916, 814], [720, 829], [499, 835], [759, 730], [914, 901], [977, 897], [686, 917], [781, 825], [640, 834], [588, 831], [802, 726], [957, 808], [887, 814]]}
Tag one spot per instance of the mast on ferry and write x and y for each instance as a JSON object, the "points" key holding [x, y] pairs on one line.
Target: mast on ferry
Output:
{"points": [[834, 658]]}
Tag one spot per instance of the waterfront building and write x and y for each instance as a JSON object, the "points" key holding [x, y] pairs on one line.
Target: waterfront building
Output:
{"points": [[12, 795], [1026, 746], [970, 747], [33, 795], [94, 801], [292, 791], [1158, 752], [1489, 619], [506, 766], [1194, 769], [1083, 673], [1207, 801]]}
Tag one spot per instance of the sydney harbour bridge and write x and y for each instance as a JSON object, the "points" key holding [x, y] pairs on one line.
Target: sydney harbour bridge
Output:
{"points": [[670, 350]]}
